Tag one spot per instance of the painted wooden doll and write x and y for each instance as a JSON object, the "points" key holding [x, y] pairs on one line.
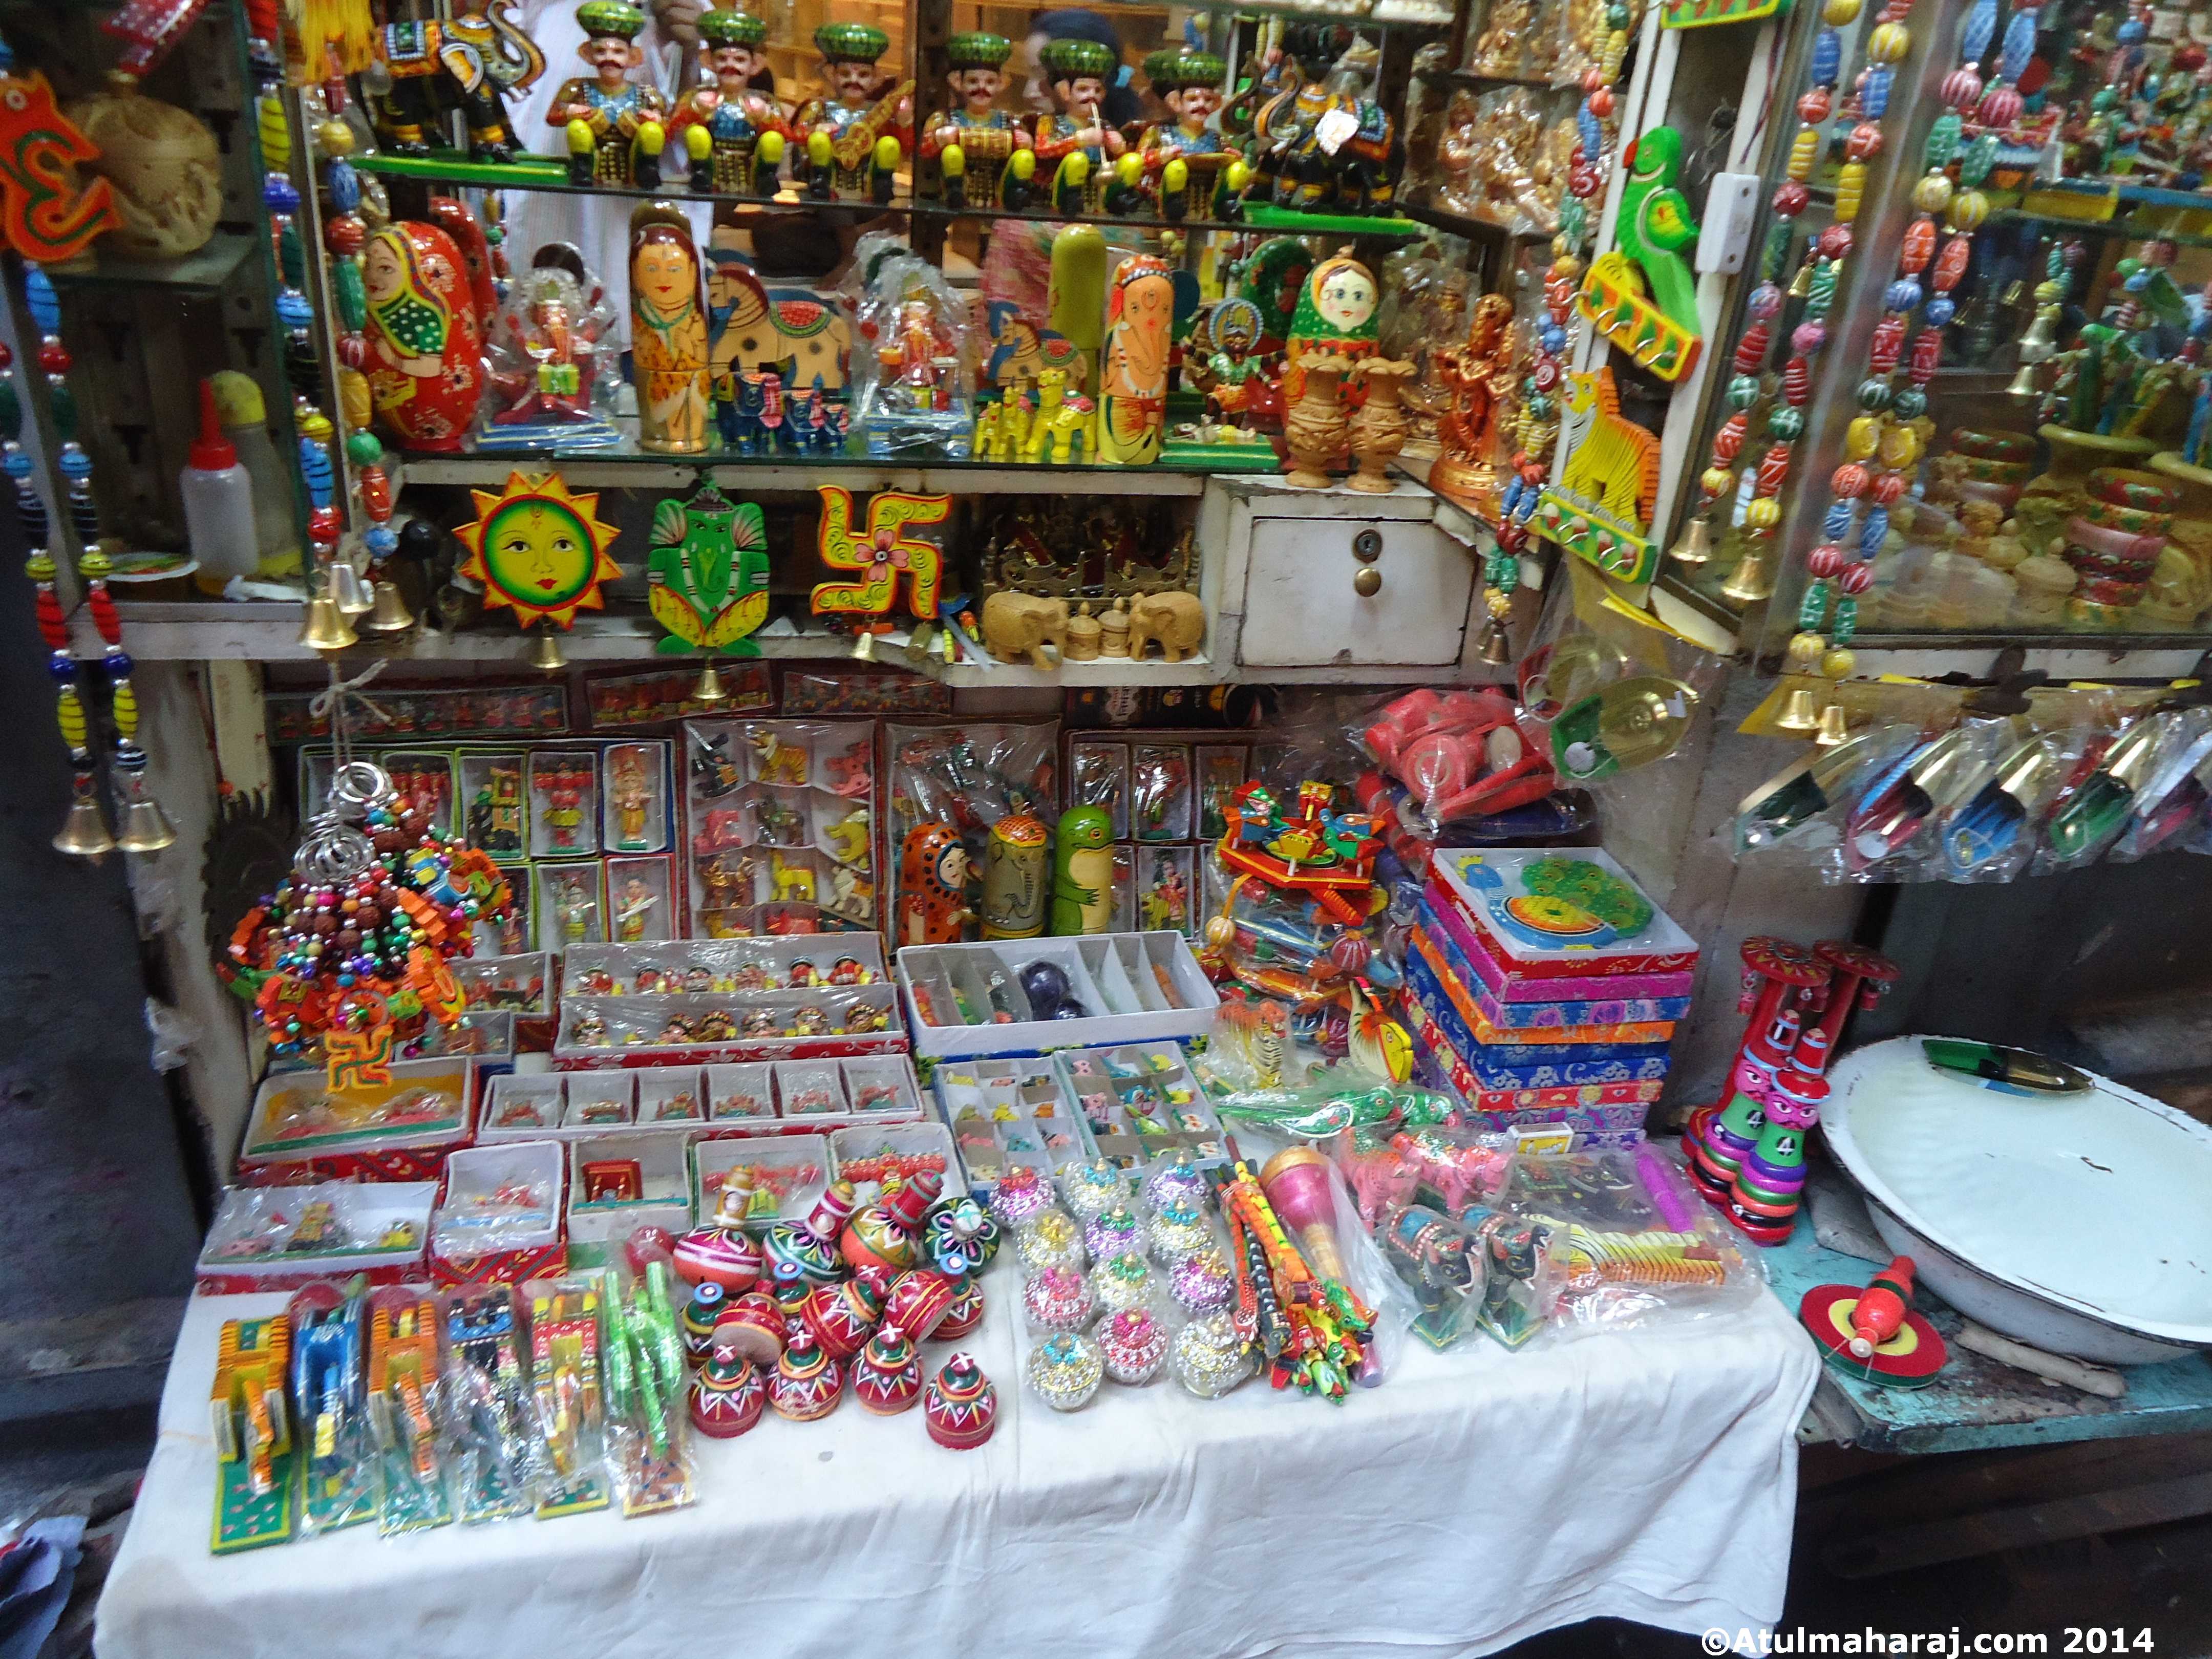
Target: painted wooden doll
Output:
{"points": [[668, 331], [932, 900], [1336, 313], [425, 344], [1133, 381]]}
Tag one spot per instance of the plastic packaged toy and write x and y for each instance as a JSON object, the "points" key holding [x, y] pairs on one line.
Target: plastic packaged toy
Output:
{"points": [[552, 370], [565, 1339], [406, 1370], [912, 361], [501, 1469], [647, 1420]]}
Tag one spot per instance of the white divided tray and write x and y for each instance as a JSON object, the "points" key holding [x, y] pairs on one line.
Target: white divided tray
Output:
{"points": [[966, 1000], [1005, 1113]]}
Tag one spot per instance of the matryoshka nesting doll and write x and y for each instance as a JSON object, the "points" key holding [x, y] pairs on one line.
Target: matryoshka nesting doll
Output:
{"points": [[1083, 872], [425, 342], [668, 331], [1336, 313], [933, 902], [1132, 378]]}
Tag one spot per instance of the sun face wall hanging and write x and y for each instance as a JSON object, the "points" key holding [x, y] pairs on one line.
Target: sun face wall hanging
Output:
{"points": [[709, 574], [539, 550]]}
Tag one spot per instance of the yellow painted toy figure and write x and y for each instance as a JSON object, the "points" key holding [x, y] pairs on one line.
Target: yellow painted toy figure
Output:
{"points": [[668, 331], [855, 133], [614, 123], [1133, 380], [984, 153]]}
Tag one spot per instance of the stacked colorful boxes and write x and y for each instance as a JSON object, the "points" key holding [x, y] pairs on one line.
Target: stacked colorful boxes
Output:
{"points": [[1544, 988]]}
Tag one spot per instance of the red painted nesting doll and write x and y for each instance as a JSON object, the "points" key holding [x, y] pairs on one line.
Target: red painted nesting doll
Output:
{"points": [[932, 900], [425, 342]]}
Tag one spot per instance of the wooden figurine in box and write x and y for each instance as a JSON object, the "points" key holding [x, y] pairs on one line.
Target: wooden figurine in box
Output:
{"points": [[1075, 141], [984, 153], [856, 131], [425, 341], [1132, 376], [735, 137], [495, 813], [614, 123], [630, 792], [668, 330], [253, 1434]]}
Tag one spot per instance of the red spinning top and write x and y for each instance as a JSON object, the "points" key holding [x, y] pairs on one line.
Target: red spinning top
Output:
{"points": [[1873, 1334]]}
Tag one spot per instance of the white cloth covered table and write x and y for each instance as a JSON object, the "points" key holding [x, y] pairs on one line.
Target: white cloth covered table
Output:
{"points": [[1477, 1498]]}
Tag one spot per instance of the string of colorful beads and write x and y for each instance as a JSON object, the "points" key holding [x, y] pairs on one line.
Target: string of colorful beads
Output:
{"points": [[145, 830], [1815, 284], [1537, 420]]}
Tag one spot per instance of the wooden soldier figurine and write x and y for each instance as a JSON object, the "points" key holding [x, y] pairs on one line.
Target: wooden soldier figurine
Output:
{"points": [[855, 137], [614, 123], [983, 152], [734, 136]]}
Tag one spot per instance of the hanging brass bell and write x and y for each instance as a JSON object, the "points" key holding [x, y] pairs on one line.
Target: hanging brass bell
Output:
{"points": [[346, 586], [863, 647], [1695, 545], [324, 627], [146, 827], [709, 692], [1798, 713], [389, 614], [2023, 382], [546, 655], [83, 833], [1752, 579], [1497, 650], [1835, 726], [2041, 339]]}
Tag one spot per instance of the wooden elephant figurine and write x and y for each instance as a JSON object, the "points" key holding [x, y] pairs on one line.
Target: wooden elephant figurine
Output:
{"points": [[1018, 625], [1176, 619]]}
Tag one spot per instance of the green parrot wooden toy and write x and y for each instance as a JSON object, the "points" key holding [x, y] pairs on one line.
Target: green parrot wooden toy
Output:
{"points": [[1643, 295]]}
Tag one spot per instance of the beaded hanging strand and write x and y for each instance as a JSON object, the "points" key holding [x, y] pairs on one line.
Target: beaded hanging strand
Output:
{"points": [[145, 828]]}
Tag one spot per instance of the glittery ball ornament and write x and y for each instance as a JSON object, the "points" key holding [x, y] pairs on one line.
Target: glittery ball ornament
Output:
{"points": [[1122, 1281], [1175, 1175], [1092, 1189], [1115, 1230], [1179, 1229], [1209, 1358], [1201, 1283], [1134, 1342], [1050, 1238], [1020, 1194], [1057, 1299], [1065, 1371]]}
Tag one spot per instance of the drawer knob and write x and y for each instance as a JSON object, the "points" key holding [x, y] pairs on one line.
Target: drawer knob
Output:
{"points": [[1367, 582]]}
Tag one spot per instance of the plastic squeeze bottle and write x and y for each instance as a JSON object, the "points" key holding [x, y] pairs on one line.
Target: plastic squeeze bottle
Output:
{"points": [[218, 502], [245, 415]]}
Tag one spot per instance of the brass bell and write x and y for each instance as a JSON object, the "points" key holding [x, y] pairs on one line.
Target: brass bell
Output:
{"points": [[1497, 650], [863, 647], [346, 586], [1798, 716], [83, 833], [2041, 339], [146, 827], [389, 614], [1751, 580], [324, 627], [1695, 545], [1835, 726], [2023, 382], [546, 655], [709, 693]]}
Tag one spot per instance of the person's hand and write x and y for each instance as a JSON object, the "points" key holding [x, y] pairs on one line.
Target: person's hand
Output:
{"points": [[678, 20]]}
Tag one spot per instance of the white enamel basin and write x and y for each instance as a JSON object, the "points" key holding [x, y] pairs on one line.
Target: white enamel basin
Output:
{"points": [[2080, 1223]]}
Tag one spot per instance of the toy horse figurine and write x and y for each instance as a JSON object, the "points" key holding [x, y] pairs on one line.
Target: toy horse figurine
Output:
{"points": [[1599, 506]]}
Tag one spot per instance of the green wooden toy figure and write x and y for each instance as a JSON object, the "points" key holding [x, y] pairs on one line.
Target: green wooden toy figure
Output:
{"points": [[1643, 295], [707, 573], [1083, 872]]}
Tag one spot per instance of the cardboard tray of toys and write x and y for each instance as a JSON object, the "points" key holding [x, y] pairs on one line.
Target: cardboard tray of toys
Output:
{"points": [[1023, 996], [300, 1128]]}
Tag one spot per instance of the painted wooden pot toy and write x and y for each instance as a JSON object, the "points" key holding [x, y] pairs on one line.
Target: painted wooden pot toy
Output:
{"points": [[728, 1396], [887, 1377], [840, 1317], [960, 1406], [808, 1384]]}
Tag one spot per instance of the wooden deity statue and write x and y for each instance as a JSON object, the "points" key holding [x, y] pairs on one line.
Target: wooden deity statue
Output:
{"points": [[1133, 380], [856, 133], [1479, 378], [668, 331], [984, 153], [614, 123], [734, 136], [1075, 142], [425, 342], [1190, 166]]}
